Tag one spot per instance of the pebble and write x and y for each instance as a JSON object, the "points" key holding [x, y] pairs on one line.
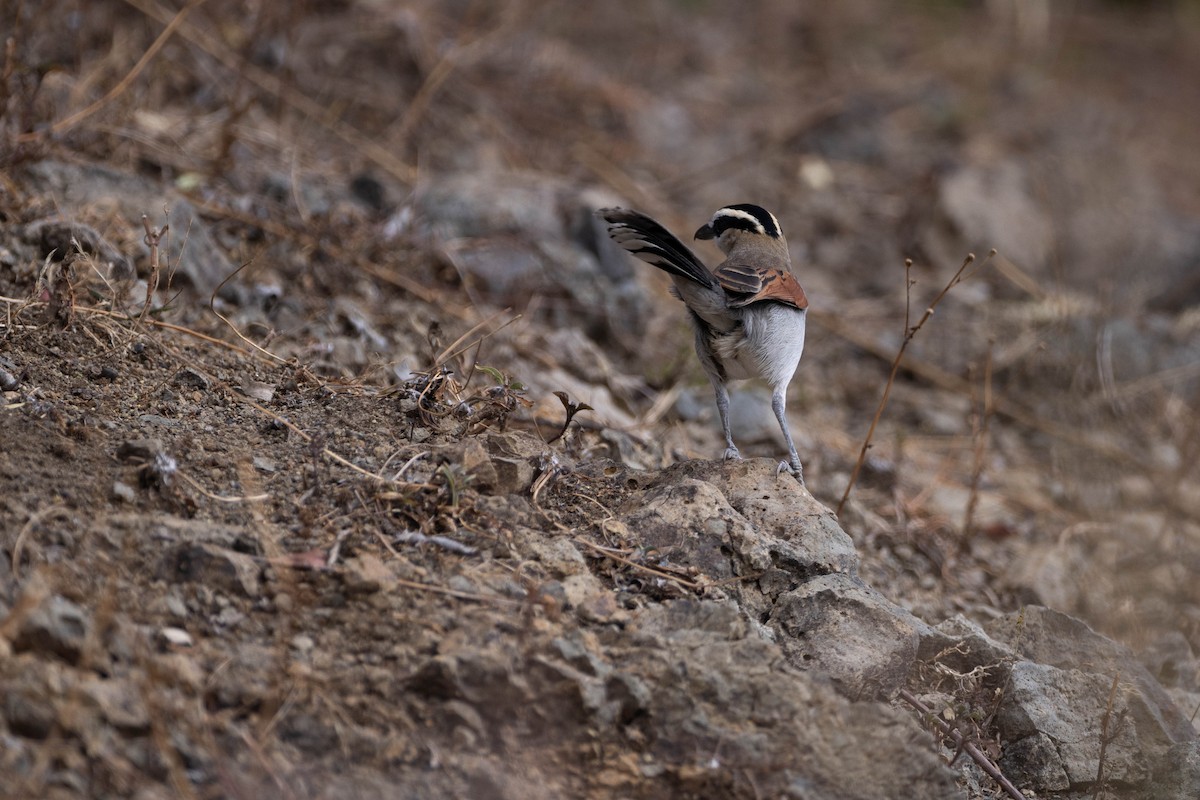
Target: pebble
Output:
{"points": [[175, 637], [124, 492]]}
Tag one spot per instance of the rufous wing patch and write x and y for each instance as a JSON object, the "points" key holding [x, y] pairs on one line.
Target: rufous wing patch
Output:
{"points": [[756, 285]]}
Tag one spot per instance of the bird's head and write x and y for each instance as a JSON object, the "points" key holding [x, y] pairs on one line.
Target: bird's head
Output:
{"points": [[743, 224]]}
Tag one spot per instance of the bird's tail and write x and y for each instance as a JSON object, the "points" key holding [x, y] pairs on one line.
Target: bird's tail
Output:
{"points": [[654, 244]]}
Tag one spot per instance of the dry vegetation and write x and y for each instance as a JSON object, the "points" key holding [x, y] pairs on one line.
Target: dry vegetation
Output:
{"points": [[357, 167]]}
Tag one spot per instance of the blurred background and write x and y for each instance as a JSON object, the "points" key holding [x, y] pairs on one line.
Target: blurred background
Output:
{"points": [[396, 172]]}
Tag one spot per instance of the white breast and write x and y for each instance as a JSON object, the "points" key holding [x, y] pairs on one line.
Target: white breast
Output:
{"points": [[772, 346]]}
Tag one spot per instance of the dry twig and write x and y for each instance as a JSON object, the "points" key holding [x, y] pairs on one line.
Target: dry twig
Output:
{"points": [[909, 333], [967, 746]]}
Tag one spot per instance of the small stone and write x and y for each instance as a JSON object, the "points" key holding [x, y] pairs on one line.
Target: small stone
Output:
{"points": [[191, 379], [176, 607], [57, 626], [27, 714], [264, 392], [120, 702], [174, 637], [461, 583], [124, 492], [602, 607], [140, 450], [366, 574], [215, 567], [303, 643], [284, 603], [229, 617]]}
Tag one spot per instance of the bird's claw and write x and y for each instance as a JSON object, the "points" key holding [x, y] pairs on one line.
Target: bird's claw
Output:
{"points": [[732, 454], [794, 469]]}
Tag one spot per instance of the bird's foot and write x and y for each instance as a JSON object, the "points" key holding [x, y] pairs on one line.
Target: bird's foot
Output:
{"points": [[794, 468], [732, 454]]}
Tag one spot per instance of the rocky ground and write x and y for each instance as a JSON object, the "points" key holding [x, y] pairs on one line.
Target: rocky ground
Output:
{"points": [[297, 306]]}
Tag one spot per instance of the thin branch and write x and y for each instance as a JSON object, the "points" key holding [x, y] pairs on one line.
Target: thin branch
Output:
{"points": [[124, 84], [967, 746], [909, 333]]}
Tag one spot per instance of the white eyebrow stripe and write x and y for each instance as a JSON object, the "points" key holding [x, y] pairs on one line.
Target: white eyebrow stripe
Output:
{"points": [[739, 214]]}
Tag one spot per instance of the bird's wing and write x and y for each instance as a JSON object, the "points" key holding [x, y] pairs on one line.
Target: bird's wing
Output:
{"points": [[749, 285]]}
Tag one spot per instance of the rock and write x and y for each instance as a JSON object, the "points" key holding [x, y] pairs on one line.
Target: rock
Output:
{"points": [[73, 186], [310, 734], [1045, 636], [56, 238], [1177, 774], [788, 532], [507, 232], [120, 702], [473, 457], [559, 556], [366, 574], [1060, 711], [1035, 761], [215, 567], [124, 492], [839, 626], [33, 687], [56, 626], [963, 645], [688, 524], [245, 680], [8, 381], [723, 696], [170, 638], [1170, 659], [601, 607], [990, 204], [513, 457], [512, 474]]}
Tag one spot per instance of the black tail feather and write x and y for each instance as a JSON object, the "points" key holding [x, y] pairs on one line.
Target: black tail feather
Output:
{"points": [[654, 244]]}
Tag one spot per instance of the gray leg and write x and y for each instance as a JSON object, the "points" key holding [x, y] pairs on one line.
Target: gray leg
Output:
{"points": [[779, 406], [731, 451]]}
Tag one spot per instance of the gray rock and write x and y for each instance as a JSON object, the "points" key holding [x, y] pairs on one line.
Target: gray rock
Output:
{"points": [[31, 689], [688, 524], [837, 625], [1061, 710], [788, 529], [120, 702], [56, 626], [215, 567], [996, 206], [1177, 774], [513, 232], [1045, 636], [204, 265], [718, 708]]}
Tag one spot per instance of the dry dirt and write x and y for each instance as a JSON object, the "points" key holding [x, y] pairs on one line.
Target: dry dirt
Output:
{"points": [[245, 527]]}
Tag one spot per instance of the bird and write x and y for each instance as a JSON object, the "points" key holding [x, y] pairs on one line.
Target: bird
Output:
{"points": [[748, 314]]}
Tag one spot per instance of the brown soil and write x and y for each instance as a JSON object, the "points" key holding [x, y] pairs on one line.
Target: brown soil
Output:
{"points": [[308, 544]]}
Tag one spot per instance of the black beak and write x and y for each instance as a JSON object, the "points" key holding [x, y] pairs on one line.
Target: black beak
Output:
{"points": [[705, 232]]}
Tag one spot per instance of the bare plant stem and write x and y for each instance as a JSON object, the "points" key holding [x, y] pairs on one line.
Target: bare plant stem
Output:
{"points": [[981, 436], [124, 83], [153, 239], [967, 746], [1105, 738], [909, 333]]}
